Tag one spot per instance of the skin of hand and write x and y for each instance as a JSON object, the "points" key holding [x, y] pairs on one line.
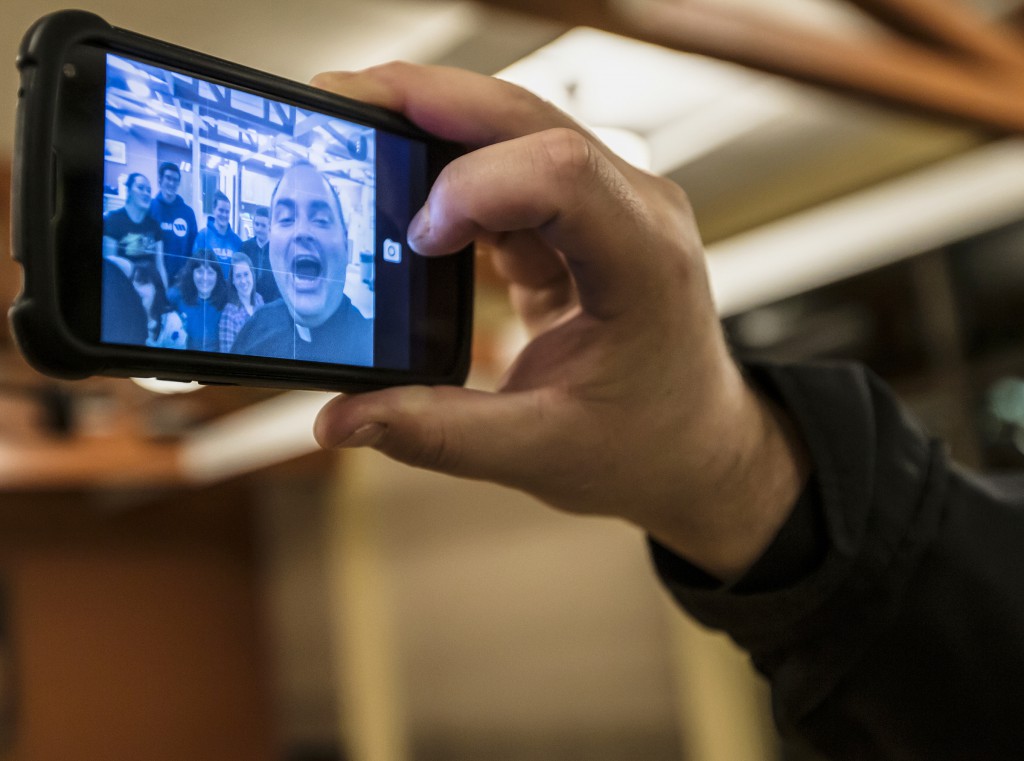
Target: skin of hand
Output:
{"points": [[626, 402]]}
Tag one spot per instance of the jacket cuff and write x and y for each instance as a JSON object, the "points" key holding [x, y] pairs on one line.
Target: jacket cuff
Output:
{"points": [[851, 543]]}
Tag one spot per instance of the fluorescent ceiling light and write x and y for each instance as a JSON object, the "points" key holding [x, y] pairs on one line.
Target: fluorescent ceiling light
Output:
{"points": [[116, 62], [683, 105], [746, 109], [139, 88], [976, 191], [131, 122], [252, 438], [610, 80]]}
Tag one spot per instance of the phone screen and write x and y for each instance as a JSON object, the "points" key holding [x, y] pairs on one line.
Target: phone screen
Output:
{"points": [[239, 224]]}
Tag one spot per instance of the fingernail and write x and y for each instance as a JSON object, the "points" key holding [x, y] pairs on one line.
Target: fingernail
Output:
{"points": [[364, 436], [419, 228]]}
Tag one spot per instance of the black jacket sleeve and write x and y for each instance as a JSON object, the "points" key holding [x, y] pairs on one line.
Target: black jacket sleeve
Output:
{"points": [[889, 613]]}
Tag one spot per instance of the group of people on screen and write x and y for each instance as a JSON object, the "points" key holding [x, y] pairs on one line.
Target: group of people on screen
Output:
{"points": [[168, 284]]}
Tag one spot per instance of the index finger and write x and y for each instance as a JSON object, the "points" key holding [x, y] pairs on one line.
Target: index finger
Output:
{"points": [[454, 104]]}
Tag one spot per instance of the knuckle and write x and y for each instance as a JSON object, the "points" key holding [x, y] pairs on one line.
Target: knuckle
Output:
{"points": [[679, 196], [518, 98], [675, 194], [391, 69], [568, 155], [521, 106]]}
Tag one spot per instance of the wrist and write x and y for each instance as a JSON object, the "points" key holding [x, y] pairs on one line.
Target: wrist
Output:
{"points": [[744, 501]]}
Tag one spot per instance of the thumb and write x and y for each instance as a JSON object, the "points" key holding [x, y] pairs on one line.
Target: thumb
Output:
{"points": [[458, 431]]}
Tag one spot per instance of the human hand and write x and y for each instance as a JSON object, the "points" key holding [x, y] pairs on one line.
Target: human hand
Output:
{"points": [[626, 401]]}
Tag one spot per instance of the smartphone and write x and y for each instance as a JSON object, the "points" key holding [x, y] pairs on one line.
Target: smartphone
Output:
{"points": [[182, 217]]}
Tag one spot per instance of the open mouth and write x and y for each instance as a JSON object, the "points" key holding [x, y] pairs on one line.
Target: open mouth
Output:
{"points": [[307, 268]]}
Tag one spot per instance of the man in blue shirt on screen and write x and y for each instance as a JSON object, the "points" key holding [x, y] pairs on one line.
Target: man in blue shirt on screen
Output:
{"points": [[218, 236], [178, 225]]}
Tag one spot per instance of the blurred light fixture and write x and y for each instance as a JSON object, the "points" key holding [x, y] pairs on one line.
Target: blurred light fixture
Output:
{"points": [[121, 64], [131, 122], [158, 386], [1006, 401], [680, 106], [139, 88], [254, 437], [971, 193]]}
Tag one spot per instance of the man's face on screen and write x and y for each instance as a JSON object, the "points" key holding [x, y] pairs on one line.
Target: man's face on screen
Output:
{"points": [[260, 227], [308, 246], [169, 183]]}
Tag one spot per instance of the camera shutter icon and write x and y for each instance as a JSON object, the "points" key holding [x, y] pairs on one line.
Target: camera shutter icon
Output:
{"points": [[392, 251]]}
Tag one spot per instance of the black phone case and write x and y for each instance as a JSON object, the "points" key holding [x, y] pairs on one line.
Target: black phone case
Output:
{"points": [[38, 324]]}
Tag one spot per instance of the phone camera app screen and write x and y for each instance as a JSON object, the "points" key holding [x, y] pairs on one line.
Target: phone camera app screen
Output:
{"points": [[238, 224]]}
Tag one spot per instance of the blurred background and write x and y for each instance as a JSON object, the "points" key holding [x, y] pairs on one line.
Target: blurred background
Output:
{"points": [[186, 576]]}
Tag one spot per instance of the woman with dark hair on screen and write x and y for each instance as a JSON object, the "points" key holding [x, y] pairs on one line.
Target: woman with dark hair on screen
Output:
{"points": [[199, 296], [131, 234], [164, 327], [243, 300]]}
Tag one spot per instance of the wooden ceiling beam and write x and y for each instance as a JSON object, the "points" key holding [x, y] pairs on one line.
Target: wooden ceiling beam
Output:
{"points": [[894, 71], [949, 24]]}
